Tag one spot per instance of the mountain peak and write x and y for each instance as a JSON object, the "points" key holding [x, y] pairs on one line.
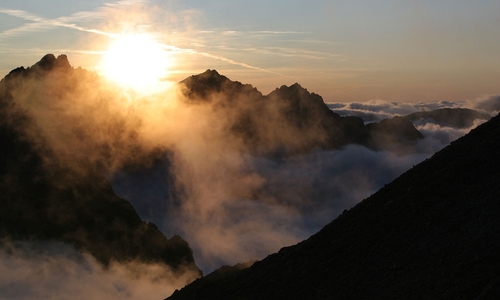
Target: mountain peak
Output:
{"points": [[201, 85], [210, 72], [296, 87], [49, 62]]}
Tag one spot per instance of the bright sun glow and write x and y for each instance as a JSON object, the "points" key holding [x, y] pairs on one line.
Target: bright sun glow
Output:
{"points": [[137, 61]]}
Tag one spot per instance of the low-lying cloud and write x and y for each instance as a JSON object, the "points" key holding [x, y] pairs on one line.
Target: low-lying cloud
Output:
{"points": [[51, 270], [377, 110]]}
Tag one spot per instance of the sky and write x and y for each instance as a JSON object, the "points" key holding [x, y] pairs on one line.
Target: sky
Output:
{"points": [[391, 50]]}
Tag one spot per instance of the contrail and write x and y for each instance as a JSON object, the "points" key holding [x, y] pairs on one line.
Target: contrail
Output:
{"points": [[228, 60], [41, 23]]}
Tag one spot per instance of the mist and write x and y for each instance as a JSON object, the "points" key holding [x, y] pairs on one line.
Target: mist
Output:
{"points": [[181, 164], [52, 270], [235, 206]]}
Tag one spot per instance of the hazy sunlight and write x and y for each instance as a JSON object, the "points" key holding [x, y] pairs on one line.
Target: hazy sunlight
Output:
{"points": [[136, 61]]}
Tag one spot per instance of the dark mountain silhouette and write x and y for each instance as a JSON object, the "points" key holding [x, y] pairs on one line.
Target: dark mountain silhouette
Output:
{"points": [[291, 119], [44, 197], [433, 233], [451, 117]]}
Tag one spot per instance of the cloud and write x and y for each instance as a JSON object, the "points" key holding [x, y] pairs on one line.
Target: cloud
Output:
{"points": [[377, 110], [437, 137], [51, 270], [239, 208], [487, 103]]}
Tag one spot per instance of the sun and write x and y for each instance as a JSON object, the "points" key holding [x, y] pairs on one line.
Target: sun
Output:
{"points": [[137, 61]]}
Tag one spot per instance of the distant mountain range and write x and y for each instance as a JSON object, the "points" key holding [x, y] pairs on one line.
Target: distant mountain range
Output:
{"points": [[430, 234]]}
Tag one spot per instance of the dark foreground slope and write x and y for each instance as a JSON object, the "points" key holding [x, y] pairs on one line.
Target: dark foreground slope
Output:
{"points": [[46, 198], [433, 233]]}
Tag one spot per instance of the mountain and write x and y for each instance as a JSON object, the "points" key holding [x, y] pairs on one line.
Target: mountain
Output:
{"points": [[291, 119], [433, 233], [56, 191], [450, 117]]}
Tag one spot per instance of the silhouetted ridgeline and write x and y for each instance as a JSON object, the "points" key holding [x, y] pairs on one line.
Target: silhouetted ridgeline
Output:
{"points": [[292, 120], [45, 196], [433, 233]]}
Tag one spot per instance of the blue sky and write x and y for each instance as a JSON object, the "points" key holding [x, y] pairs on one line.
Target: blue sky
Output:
{"points": [[344, 50]]}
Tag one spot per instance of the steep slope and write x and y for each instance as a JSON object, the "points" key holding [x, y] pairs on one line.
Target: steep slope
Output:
{"points": [[433, 233], [45, 197]]}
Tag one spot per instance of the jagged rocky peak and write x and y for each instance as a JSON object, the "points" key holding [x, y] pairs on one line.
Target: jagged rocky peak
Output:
{"points": [[202, 85], [290, 90], [49, 62], [297, 93]]}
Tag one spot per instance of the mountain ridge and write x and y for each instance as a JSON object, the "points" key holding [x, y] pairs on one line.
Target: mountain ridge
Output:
{"points": [[302, 113]]}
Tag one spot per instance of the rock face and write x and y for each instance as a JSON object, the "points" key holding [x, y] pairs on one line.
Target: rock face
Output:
{"points": [[433, 233], [292, 120], [44, 197]]}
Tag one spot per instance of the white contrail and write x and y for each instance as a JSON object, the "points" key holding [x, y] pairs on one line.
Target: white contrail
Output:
{"points": [[221, 58], [41, 23]]}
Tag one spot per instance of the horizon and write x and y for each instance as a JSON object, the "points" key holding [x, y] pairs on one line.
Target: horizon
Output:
{"points": [[417, 51]]}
